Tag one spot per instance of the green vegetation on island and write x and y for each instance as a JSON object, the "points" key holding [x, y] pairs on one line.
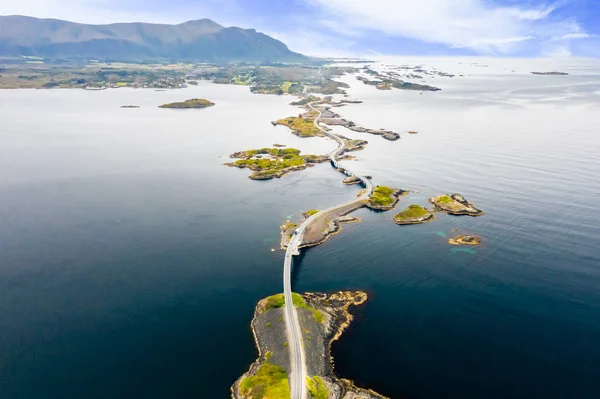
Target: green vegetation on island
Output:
{"points": [[267, 163], [270, 381], [300, 126], [382, 196], [311, 212], [278, 301], [317, 388], [414, 214], [305, 100], [192, 103]]}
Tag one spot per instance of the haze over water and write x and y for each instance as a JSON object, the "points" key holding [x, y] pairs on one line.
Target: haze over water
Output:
{"points": [[131, 259]]}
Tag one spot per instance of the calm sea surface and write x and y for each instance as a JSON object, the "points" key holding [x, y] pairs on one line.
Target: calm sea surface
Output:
{"points": [[131, 259]]}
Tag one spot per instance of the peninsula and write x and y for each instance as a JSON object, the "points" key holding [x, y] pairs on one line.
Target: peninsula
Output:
{"points": [[322, 318]]}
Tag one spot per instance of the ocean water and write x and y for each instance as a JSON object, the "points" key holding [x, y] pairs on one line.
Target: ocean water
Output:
{"points": [[131, 259]]}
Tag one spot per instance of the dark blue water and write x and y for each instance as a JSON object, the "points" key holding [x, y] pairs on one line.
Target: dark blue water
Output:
{"points": [[131, 259]]}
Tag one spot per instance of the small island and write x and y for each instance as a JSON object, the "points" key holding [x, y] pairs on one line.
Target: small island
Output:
{"points": [[323, 318], [384, 198], [455, 204], [550, 73], [192, 103], [414, 214], [464, 240], [267, 163], [130, 106], [350, 180]]}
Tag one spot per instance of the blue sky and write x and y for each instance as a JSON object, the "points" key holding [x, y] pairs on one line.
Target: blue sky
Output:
{"points": [[368, 27]]}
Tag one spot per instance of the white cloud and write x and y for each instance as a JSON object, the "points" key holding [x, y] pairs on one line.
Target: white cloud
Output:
{"points": [[571, 36], [471, 24]]}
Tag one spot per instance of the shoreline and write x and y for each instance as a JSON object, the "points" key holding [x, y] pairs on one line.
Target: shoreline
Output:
{"points": [[334, 319]]}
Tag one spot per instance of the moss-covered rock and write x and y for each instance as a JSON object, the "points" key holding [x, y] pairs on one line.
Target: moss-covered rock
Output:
{"points": [[414, 214]]}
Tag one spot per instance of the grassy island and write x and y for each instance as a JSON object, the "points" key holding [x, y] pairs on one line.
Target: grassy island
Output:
{"points": [[267, 163], [384, 198], [193, 103], [414, 214], [303, 127]]}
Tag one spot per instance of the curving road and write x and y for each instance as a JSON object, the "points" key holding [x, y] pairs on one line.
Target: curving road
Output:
{"points": [[297, 358]]}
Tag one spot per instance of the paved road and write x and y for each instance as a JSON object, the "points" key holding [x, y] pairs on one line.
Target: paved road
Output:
{"points": [[295, 343]]}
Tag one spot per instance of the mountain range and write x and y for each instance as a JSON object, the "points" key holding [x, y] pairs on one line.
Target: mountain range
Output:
{"points": [[201, 40]]}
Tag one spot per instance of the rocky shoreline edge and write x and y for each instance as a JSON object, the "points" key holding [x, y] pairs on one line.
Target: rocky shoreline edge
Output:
{"points": [[455, 204], [323, 318]]}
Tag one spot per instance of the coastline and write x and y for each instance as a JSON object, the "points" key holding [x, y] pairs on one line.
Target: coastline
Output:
{"points": [[335, 318]]}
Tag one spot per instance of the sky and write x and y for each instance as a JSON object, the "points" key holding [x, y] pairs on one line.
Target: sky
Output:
{"points": [[509, 28]]}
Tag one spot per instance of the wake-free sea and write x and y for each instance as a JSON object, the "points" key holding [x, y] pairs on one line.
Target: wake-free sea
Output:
{"points": [[131, 259]]}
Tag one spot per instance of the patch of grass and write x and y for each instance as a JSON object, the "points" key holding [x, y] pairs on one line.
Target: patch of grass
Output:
{"points": [[280, 319], [285, 87], [311, 212], [269, 324], [303, 127], [270, 382], [317, 388], [382, 196], [122, 84], [278, 301], [445, 199], [268, 355], [285, 344], [412, 212]]}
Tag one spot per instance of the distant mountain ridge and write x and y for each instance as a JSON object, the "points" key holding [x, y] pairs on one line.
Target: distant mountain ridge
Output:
{"points": [[199, 40]]}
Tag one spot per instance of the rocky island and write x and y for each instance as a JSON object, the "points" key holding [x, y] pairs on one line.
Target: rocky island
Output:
{"points": [[455, 204], [414, 214], [323, 318], [192, 103], [384, 198], [464, 240], [267, 163]]}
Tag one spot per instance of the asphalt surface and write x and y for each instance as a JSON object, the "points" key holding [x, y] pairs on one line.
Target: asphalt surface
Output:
{"points": [[297, 357]]}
